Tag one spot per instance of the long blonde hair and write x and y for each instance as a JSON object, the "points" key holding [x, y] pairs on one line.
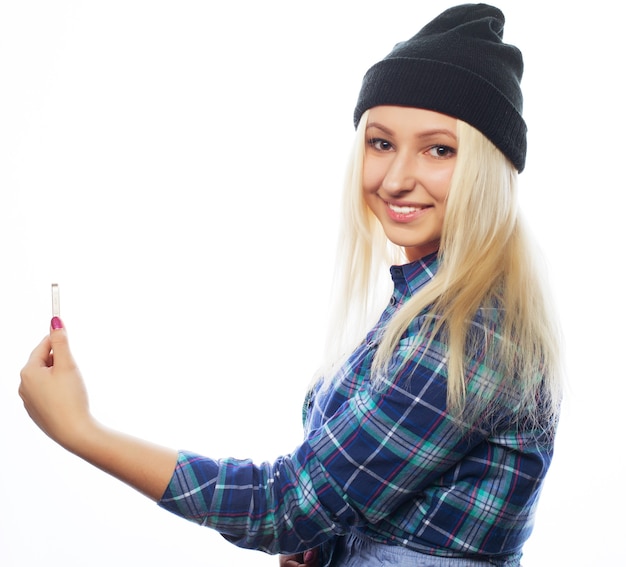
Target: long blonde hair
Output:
{"points": [[486, 260]]}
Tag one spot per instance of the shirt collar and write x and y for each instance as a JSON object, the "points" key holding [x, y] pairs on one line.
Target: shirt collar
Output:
{"points": [[415, 275]]}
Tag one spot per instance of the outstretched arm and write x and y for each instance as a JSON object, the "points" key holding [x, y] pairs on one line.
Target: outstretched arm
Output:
{"points": [[56, 399], [286, 516]]}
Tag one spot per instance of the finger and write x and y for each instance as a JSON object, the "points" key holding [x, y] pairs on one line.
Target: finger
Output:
{"points": [[41, 353], [290, 561], [60, 346], [310, 557]]}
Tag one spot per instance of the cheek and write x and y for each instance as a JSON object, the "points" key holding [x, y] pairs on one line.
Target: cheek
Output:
{"points": [[372, 177], [441, 186]]}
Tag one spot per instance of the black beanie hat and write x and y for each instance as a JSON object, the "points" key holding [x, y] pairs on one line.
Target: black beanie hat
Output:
{"points": [[457, 65]]}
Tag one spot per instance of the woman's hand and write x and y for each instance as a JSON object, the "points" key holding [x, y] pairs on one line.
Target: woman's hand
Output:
{"points": [[307, 559], [53, 391], [55, 397]]}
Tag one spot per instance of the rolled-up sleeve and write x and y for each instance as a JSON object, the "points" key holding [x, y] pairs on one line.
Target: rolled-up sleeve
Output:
{"points": [[275, 507]]}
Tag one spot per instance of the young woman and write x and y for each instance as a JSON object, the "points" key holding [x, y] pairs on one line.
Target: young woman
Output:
{"points": [[428, 437]]}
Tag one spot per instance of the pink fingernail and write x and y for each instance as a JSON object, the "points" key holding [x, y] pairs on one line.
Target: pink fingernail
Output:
{"points": [[308, 555], [56, 323]]}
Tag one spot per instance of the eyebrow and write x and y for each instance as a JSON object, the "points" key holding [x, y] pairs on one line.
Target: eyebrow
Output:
{"points": [[424, 134]]}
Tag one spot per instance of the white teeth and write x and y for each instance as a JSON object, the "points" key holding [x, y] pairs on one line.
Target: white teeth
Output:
{"points": [[402, 210]]}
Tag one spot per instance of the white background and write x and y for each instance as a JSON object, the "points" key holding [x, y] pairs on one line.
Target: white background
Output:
{"points": [[176, 167]]}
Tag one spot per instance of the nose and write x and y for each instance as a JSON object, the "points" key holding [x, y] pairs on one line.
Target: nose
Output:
{"points": [[401, 177]]}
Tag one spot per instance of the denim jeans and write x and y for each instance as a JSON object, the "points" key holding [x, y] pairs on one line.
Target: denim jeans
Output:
{"points": [[353, 551]]}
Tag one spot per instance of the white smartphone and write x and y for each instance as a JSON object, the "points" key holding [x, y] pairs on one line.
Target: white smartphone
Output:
{"points": [[56, 304]]}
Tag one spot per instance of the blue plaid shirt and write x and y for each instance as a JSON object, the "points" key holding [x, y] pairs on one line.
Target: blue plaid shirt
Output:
{"points": [[386, 461]]}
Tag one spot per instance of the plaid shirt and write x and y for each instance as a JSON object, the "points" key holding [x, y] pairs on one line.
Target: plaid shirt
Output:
{"points": [[386, 461]]}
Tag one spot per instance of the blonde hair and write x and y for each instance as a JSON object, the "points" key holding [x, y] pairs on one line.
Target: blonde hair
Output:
{"points": [[487, 260]]}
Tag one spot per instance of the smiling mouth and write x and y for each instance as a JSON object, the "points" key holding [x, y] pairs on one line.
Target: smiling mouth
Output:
{"points": [[405, 209], [402, 210]]}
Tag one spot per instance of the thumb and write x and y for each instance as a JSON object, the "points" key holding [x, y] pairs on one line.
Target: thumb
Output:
{"points": [[60, 345]]}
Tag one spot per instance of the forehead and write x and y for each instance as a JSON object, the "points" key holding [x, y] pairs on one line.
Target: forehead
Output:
{"points": [[407, 118]]}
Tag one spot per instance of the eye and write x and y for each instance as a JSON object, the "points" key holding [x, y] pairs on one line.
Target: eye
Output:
{"points": [[441, 152], [380, 144]]}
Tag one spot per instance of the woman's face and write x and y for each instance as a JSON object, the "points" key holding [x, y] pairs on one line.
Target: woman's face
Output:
{"points": [[410, 154]]}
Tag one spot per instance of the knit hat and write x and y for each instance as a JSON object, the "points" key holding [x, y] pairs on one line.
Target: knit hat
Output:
{"points": [[457, 65]]}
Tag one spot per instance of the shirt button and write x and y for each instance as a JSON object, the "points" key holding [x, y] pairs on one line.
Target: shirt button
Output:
{"points": [[392, 301]]}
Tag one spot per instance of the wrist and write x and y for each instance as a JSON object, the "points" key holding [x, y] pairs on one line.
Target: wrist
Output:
{"points": [[81, 436]]}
